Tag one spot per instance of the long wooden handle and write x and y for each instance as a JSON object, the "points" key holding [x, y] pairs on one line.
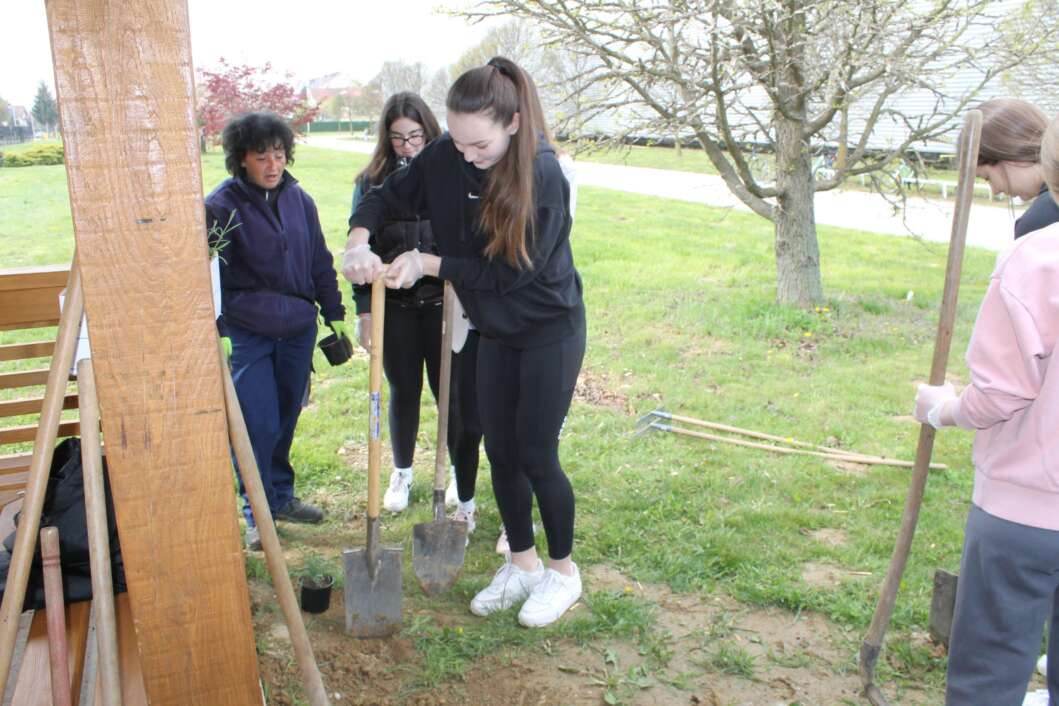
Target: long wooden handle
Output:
{"points": [[55, 605], [40, 466], [852, 456], [441, 456], [378, 317], [277, 565], [970, 137], [98, 535]]}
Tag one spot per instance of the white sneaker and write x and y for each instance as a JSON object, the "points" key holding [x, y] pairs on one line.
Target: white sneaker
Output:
{"points": [[1042, 665], [452, 496], [396, 497], [550, 599], [510, 585], [462, 515], [1036, 698]]}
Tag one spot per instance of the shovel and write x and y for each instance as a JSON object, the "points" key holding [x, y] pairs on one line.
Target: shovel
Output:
{"points": [[970, 137], [438, 546], [373, 574]]}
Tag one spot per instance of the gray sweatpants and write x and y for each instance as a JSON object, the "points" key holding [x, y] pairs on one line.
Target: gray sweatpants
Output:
{"points": [[1008, 588]]}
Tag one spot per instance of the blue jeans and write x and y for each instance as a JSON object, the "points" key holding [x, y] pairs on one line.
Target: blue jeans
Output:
{"points": [[270, 379]]}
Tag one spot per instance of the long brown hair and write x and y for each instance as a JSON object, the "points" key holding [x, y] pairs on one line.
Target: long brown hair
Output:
{"points": [[500, 89], [384, 160], [1011, 131], [1050, 158]]}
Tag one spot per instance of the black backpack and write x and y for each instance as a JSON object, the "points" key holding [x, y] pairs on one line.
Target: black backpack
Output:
{"points": [[64, 508]]}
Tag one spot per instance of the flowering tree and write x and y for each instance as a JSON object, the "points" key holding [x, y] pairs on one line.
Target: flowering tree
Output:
{"points": [[232, 89]]}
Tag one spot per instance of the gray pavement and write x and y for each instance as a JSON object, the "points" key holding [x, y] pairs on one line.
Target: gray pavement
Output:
{"points": [[990, 227]]}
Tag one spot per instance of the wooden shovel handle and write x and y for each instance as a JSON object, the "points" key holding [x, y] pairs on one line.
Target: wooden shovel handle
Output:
{"points": [[277, 565], [869, 651], [55, 604], [441, 457], [378, 318], [98, 535]]}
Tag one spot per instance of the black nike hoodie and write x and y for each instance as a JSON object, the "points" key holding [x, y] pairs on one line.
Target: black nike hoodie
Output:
{"points": [[522, 307]]}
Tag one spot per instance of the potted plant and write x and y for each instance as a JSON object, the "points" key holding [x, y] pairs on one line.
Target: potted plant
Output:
{"points": [[317, 579]]}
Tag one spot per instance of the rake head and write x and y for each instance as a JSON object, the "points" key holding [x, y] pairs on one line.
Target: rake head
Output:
{"points": [[647, 422]]}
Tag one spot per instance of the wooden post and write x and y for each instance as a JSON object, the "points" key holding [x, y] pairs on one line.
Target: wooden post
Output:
{"points": [[123, 77]]}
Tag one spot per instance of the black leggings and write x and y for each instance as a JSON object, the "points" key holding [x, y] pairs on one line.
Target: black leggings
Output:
{"points": [[465, 427], [523, 398], [412, 336]]}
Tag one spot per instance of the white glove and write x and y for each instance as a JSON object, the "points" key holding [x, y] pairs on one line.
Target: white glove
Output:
{"points": [[461, 325], [364, 331], [405, 270], [931, 402], [360, 265]]}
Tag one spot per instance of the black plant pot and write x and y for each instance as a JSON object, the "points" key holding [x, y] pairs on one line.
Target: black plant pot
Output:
{"points": [[316, 598], [337, 349]]}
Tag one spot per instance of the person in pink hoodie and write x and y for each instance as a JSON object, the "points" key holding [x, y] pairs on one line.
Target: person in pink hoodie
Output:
{"points": [[1009, 571]]}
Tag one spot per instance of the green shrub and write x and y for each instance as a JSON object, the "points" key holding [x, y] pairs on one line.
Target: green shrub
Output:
{"points": [[35, 156]]}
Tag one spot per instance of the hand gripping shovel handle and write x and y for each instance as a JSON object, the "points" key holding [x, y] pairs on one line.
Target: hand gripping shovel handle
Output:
{"points": [[441, 460], [869, 649], [277, 565]]}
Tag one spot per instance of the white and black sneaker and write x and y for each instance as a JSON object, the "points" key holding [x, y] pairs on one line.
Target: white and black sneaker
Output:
{"points": [[396, 496]]}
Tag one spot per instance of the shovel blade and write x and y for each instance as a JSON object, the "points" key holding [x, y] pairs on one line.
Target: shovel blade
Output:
{"points": [[437, 554], [372, 598]]}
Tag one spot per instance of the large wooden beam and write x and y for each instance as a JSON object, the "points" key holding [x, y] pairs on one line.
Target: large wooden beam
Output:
{"points": [[123, 77]]}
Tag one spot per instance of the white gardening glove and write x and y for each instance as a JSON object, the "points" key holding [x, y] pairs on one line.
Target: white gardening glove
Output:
{"points": [[935, 405], [364, 331], [360, 265], [405, 270]]}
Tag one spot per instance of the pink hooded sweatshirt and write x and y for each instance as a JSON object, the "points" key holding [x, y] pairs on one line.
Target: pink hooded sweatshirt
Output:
{"points": [[1013, 398]]}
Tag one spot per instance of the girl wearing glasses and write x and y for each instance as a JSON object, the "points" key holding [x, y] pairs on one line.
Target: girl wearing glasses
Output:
{"points": [[412, 330], [496, 195]]}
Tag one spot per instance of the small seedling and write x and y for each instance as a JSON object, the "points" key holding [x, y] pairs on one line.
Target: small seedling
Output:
{"points": [[317, 571], [215, 237]]}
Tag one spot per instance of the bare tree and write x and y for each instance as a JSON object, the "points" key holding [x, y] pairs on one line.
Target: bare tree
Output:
{"points": [[783, 77], [436, 91], [397, 76], [1036, 78]]}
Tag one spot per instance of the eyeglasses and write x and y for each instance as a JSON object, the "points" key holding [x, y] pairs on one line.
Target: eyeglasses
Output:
{"points": [[415, 139]]}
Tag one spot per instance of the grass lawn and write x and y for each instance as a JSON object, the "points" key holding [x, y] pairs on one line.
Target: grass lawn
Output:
{"points": [[681, 314]]}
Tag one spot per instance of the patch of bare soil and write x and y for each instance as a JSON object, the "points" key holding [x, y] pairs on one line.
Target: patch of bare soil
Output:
{"points": [[788, 659], [594, 388], [829, 575], [849, 468], [792, 658]]}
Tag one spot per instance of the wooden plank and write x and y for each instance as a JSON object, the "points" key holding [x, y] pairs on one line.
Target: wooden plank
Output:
{"points": [[34, 676], [23, 378], [11, 482], [132, 689], [28, 432], [29, 308], [32, 405], [37, 277], [123, 77], [25, 351], [15, 463]]}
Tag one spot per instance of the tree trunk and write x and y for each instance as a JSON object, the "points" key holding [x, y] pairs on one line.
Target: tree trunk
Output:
{"points": [[797, 254]]}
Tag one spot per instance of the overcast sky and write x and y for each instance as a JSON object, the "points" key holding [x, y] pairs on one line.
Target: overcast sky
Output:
{"points": [[309, 38]]}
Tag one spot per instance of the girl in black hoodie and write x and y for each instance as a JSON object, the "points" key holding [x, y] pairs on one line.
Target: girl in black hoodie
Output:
{"points": [[495, 194]]}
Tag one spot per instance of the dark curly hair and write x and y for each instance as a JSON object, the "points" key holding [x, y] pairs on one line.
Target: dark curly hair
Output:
{"points": [[257, 132]]}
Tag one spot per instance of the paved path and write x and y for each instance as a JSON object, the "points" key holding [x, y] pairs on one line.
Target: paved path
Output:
{"points": [[990, 226]]}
